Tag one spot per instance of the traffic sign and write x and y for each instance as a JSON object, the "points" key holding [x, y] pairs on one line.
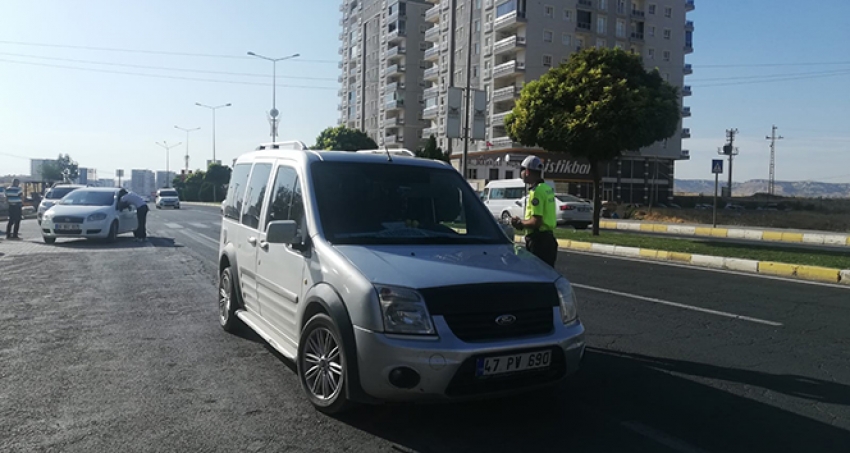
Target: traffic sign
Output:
{"points": [[717, 166]]}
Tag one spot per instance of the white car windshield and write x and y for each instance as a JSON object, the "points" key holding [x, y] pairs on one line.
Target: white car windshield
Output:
{"points": [[168, 193], [400, 204], [88, 198], [57, 193]]}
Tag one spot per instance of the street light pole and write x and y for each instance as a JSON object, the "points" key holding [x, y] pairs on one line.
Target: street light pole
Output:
{"points": [[167, 148], [186, 158], [213, 121], [273, 113]]}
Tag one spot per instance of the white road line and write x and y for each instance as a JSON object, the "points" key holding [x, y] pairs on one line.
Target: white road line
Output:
{"points": [[678, 305], [708, 269], [205, 237], [660, 437], [175, 226], [200, 225], [210, 243]]}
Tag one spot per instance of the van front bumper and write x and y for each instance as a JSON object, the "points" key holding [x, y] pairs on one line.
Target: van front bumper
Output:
{"points": [[446, 366]]}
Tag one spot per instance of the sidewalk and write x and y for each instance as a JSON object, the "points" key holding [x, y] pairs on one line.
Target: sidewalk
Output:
{"points": [[732, 232]]}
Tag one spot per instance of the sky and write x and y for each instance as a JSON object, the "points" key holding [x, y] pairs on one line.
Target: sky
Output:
{"points": [[756, 64]]}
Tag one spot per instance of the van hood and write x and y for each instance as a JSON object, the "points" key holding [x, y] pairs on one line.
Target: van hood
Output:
{"points": [[445, 265]]}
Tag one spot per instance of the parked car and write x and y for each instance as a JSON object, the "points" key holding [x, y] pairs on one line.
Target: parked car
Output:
{"points": [[91, 213], [53, 195], [167, 198], [506, 198], [398, 302]]}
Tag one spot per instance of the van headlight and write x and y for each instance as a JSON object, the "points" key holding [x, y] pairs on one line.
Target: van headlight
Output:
{"points": [[567, 298], [404, 311], [96, 216]]}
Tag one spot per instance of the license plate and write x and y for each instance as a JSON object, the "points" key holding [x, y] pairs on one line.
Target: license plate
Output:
{"points": [[583, 209], [66, 226], [513, 363]]}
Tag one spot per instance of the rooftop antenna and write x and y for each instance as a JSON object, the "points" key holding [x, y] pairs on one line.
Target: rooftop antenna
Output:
{"points": [[387, 150]]}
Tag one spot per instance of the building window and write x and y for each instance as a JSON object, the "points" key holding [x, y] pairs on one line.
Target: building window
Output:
{"points": [[667, 33], [477, 48], [603, 4], [494, 174], [475, 71], [477, 25], [601, 25], [509, 174], [568, 15], [547, 36], [651, 9], [459, 77], [650, 53], [549, 11], [600, 43], [666, 55], [579, 43], [668, 12], [477, 4], [621, 6], [621, 29], [472, 173], [566, 39], [547, 61]]}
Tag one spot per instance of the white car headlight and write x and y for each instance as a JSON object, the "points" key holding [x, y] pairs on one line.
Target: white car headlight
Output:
{"points": [[47, 216], [404, 311], [567, 297], [96, 216]]}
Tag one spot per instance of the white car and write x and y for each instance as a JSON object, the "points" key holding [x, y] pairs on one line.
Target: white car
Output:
{"points": [[167, 198], [91, 213], [506, 198], [53, 195]]}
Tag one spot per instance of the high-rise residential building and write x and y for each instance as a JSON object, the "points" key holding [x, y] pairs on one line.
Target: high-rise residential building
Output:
{"points": [[513, 42], [86, 175], [164, 179], [142, 182], [106, 182]]}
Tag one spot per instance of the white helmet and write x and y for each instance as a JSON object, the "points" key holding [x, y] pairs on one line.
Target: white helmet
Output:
{"points": [[532, 163]]}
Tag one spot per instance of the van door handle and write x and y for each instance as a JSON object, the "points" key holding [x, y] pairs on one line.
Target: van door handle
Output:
{"points": [[252, 240], [264, 245]]}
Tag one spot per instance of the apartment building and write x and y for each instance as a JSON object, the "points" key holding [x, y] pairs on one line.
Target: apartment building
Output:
{"points": [[382, 55], [515, 41], [164, 178], [142, 182]]}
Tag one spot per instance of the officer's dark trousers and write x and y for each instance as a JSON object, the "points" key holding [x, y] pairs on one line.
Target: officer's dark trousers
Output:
{"points": [[14, 225], [142, 215], [543, 245]]}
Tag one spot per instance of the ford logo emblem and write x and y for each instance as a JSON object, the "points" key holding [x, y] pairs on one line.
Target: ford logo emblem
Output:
{"points": [[505, 320]]}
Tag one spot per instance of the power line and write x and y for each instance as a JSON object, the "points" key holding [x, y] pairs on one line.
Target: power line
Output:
{"points": [[153, 52], [159, 76], [162, 68], [759, 65], [770, 76], [787, 79]]}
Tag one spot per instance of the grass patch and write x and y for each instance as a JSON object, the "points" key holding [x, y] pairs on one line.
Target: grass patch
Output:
{"points": [[826, 258]]}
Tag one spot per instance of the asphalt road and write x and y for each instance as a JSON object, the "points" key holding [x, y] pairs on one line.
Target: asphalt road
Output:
{"points": [[117, 348]]}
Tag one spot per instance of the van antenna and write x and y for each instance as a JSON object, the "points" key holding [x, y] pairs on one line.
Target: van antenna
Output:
{"points": [[387, 150]]}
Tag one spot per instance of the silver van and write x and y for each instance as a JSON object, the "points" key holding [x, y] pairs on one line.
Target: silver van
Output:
{"points": [[385, 278]]}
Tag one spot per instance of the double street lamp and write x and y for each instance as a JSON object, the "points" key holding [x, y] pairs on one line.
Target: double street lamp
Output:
{"points": [[167, 148], [213, 108], [186, 157], [273, 113]]}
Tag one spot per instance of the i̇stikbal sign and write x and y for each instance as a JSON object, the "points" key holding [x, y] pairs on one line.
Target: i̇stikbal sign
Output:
{"points": [[555, 167]]}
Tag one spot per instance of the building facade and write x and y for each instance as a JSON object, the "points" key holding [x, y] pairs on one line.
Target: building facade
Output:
{"points": [[513, 42], [164, 179], [142, 182], [86, 176]]}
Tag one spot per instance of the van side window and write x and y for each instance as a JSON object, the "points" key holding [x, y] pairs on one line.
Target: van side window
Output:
{"points": [[256, 194], [287, 202], [236, 190], [514, 193], [485, 194], [497, 194]]}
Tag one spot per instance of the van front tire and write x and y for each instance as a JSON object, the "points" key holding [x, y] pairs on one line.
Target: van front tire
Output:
{"points": [[227, 302], [322, 365]]}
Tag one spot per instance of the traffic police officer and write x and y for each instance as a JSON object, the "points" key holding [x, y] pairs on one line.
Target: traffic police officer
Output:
{"points": [[540, 218]]}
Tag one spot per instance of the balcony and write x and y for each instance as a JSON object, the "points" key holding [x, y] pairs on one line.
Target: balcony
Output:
{"points": [[509, 21], [503, 143], [689, 25], [488, 4], [509, 69], [433, 34], [395, 104], [689, 47], [444, 5], [638, 14], [686, 133], [433, 14], [396, 52], [393, 70], [689, 69], [686, 90], [433, 53], [508, 44], [431, 92], [637, 36], [396, 15], [395, 86], [396, 35], [431, 73], [689, 5], [339, 65], [486, 74], [431, 112], [393, 122], [506, 94], [686, 112], [394, 139], [586, 3], [339, 79], [583, 27], [498, 120]]}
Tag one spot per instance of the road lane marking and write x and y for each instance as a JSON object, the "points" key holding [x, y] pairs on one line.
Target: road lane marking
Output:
{"points": [[196, 238], [678, 305], [175, 226], [200, 225], [660, 437], [205, 237]]}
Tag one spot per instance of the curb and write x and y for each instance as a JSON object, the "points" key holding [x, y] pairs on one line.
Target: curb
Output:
{"points": [[803, 272], [831, 239]]}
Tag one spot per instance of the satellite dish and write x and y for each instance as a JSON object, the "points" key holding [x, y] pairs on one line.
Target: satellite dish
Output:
{"points": [[274, 113]]}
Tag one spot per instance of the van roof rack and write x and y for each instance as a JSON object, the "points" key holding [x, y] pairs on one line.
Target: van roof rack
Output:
{"points": [[385, 151], [295, 145]]}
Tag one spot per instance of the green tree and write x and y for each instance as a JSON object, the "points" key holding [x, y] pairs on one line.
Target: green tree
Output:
{"points": [[217, 176], [191, 188], [54, 170], [595, 106], [432, 151], [342, 138]]}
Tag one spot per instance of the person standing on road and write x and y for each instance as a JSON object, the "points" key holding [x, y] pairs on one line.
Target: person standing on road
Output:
{"points": [[15, 199], [540, 216], [132, 199]]}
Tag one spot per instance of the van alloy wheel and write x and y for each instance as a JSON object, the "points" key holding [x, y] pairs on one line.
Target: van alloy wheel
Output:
{"points": [[323, 365]]}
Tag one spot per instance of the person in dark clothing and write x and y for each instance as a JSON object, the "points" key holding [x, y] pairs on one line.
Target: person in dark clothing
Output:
{"points": [[14, 196], [131, 199]]}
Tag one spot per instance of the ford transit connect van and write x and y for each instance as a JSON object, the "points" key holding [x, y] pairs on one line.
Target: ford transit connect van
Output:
{"points": [[385, 278]]}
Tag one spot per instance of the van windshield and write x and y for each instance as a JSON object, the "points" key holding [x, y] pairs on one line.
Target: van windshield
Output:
{"points": [[399, 204]]}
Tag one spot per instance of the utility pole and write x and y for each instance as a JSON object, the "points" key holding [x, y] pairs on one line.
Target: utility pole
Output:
{"points": [[167, 148], [186, 157], [729, 150], [772, 181], [466, 110]]}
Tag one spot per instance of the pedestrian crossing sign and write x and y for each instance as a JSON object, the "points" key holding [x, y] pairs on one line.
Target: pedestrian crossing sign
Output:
{"points": [[717, 166]]}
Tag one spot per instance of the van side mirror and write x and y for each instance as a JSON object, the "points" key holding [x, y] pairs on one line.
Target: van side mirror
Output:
{"points": [[281, 232], [518, 203]]}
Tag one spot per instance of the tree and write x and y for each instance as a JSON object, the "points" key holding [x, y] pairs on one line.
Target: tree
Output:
{"points": [[217, 176], [432, 151], [190, 189], [342, 138], [54, 170], [595, 106]]}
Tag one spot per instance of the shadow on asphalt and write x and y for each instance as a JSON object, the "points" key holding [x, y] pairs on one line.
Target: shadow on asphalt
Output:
{"points": [[613, 389], [122, 243]]}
